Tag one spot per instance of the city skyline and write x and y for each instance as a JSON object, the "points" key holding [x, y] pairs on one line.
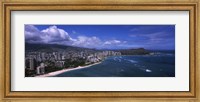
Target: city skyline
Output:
{"points": [[154, 37]]}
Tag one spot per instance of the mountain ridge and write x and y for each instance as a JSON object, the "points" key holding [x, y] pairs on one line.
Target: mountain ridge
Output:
{"points": [[56, 48]]}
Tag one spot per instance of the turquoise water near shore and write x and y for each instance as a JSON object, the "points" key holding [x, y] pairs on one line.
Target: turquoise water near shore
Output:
{"points": [[159, 65]]}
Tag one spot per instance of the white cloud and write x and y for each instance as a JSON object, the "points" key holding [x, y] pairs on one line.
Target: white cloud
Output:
{"points": [[32, 34], [111, 42], [49, 35], [89, 42], [54, 35]]}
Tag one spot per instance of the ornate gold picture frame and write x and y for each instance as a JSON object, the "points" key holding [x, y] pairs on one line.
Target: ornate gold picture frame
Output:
{"points": [[86, 5]]}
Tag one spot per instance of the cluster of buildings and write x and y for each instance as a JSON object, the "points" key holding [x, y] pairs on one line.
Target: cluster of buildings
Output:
{"points": [[39, 60], [99, 56]]}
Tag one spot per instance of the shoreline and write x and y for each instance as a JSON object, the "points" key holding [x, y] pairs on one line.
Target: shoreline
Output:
{"points": [[65, 70]]}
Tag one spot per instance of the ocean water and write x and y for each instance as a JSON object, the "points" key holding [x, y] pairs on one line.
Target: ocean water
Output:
{"points": [[160, 65]]}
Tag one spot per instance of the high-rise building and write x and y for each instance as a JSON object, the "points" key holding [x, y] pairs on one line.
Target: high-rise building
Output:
{"points": [[31, 63], [41, 69]]}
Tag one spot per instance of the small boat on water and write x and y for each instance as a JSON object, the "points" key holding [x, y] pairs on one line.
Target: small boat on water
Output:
{"points": [[147, 70]]}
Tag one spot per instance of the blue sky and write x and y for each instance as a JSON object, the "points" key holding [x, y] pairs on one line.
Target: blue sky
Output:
{"points": [[154, 37]]}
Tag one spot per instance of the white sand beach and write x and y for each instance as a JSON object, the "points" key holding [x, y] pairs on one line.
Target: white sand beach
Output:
{"points": [[65, 70]]}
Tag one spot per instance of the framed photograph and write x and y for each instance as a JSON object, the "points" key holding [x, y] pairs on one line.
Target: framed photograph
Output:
{"points": [[99, 49]]}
